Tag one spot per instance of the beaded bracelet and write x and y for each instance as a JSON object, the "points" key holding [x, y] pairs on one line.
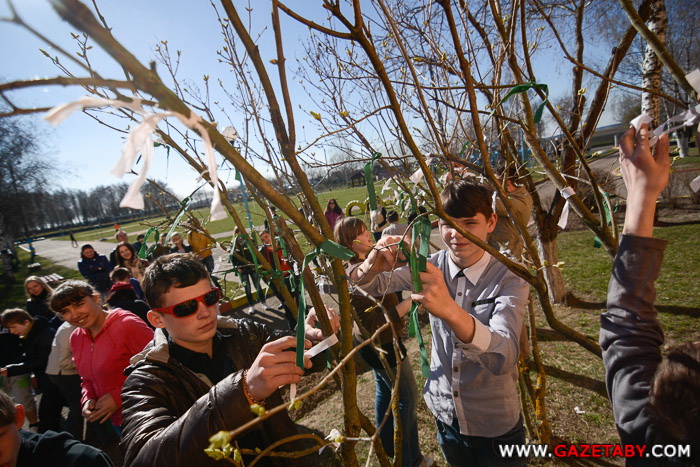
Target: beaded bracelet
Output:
{"points": [[246, 390]]}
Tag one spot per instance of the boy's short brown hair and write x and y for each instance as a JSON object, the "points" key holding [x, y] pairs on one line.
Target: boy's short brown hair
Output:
{"points": [[120, 274], [174, 270], [461, 198], [675, 393], [14, 316], [347, 229], [69, 293]]}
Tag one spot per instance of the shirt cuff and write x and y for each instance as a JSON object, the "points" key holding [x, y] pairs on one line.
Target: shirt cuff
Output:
{"points": [[481, 340]]}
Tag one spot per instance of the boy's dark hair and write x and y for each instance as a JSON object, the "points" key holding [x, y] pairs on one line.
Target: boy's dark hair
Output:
{"points": [[675, 393], [392, 216], [140, 237], [461, 198], [121, 295], [69, 293], [8, 411], [413, 214], [347, 229], [120, 274], [174, 270], [14, 316], [508, 172]]}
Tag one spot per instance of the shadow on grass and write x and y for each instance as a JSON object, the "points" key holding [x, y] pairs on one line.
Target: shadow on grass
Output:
{"points": [[679, 310], [581, 381]]}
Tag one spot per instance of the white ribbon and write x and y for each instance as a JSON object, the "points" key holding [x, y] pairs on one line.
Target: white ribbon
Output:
{"points": [[139, 141], [566, 193], [695, 184], [688, 118], [326, 343], [418, 174]]}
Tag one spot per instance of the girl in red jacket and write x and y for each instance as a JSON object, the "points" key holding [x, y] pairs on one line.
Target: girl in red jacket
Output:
{"points": [[102, 346]]}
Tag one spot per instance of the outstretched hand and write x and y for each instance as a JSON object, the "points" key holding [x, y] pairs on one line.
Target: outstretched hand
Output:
{"points": [[645, 176], [275, 366]]}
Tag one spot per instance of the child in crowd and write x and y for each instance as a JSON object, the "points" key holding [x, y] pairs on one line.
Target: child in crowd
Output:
{"points": [[128, 258], [101, 348], [269, 252], [62, 373], [352, 233], [38, 293], [179, 244], [121, 274], [202, 372], [95, 268], [476, 308], [36, 337], [19, 387]]}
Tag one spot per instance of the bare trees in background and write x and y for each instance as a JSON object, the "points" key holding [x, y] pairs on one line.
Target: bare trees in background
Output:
{"points": [[441, 84]]}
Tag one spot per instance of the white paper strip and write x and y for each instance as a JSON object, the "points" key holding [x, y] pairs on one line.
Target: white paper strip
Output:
{"points": [[695, 184], [566, 192], [694, 79], [326, 343], [139, 140]]}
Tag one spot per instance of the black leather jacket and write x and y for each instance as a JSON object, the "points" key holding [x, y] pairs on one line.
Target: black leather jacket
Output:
{"points": [[170, 412]]}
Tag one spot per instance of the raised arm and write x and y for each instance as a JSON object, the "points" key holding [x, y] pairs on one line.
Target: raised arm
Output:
{"points": [[630, 334]]}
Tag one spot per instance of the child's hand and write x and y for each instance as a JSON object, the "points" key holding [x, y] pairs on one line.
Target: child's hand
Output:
{"points": [[645, 176], [275, 366]]}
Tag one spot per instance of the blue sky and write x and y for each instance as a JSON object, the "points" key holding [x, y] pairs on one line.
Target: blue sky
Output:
{"points": [[83, 149]]}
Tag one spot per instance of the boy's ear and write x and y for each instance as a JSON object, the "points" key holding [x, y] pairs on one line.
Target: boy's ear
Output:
{"points": [[156, 319], [491, 222]]}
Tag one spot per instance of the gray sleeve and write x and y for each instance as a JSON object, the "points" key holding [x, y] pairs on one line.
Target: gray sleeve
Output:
{"points": [[630, 336]]}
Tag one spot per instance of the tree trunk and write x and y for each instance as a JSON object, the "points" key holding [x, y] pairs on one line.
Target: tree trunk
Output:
{"points": [[651, 66], [547, 249]]}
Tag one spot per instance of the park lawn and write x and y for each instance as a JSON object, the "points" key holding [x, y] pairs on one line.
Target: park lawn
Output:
{"points": [[106, 233], [14, 296]]}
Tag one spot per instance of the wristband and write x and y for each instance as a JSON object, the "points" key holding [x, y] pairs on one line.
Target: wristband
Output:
{"points": [[246, 391]]}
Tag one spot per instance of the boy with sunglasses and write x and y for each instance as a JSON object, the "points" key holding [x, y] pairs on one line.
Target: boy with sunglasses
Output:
{"points": [[202, 372]]}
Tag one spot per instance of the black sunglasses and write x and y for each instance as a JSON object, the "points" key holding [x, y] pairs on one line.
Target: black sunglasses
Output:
{"points": [[188, 307]]}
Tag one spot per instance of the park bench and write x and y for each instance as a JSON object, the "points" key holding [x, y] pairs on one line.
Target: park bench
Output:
{"points": [[53, 279]]}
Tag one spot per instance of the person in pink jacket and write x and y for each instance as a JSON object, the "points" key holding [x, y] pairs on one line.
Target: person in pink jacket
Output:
{"points": [[102, 346]]}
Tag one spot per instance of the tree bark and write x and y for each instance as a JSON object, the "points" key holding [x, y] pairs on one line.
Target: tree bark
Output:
{"points": [[651, 66]]}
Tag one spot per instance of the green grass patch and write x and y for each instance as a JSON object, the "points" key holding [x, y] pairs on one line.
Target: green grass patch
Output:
{"points": [[13, 295]]}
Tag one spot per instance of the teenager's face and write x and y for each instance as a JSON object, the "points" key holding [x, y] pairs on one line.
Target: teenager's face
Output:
{"points": [[363, 244], [463, 252], [177, 239], [89, 253], [122, 237], [10, 442], [124, 252], [266, 239], [84, 314], [34, 288], [20, 329], [195, 331]]}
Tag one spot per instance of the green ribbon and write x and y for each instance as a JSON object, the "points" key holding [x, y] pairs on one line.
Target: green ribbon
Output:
{"points": [[417, 262], [153, 247], [608, 216], [524, 87], [369, 181], [184, 205], [144, 251], [330, 248]]}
